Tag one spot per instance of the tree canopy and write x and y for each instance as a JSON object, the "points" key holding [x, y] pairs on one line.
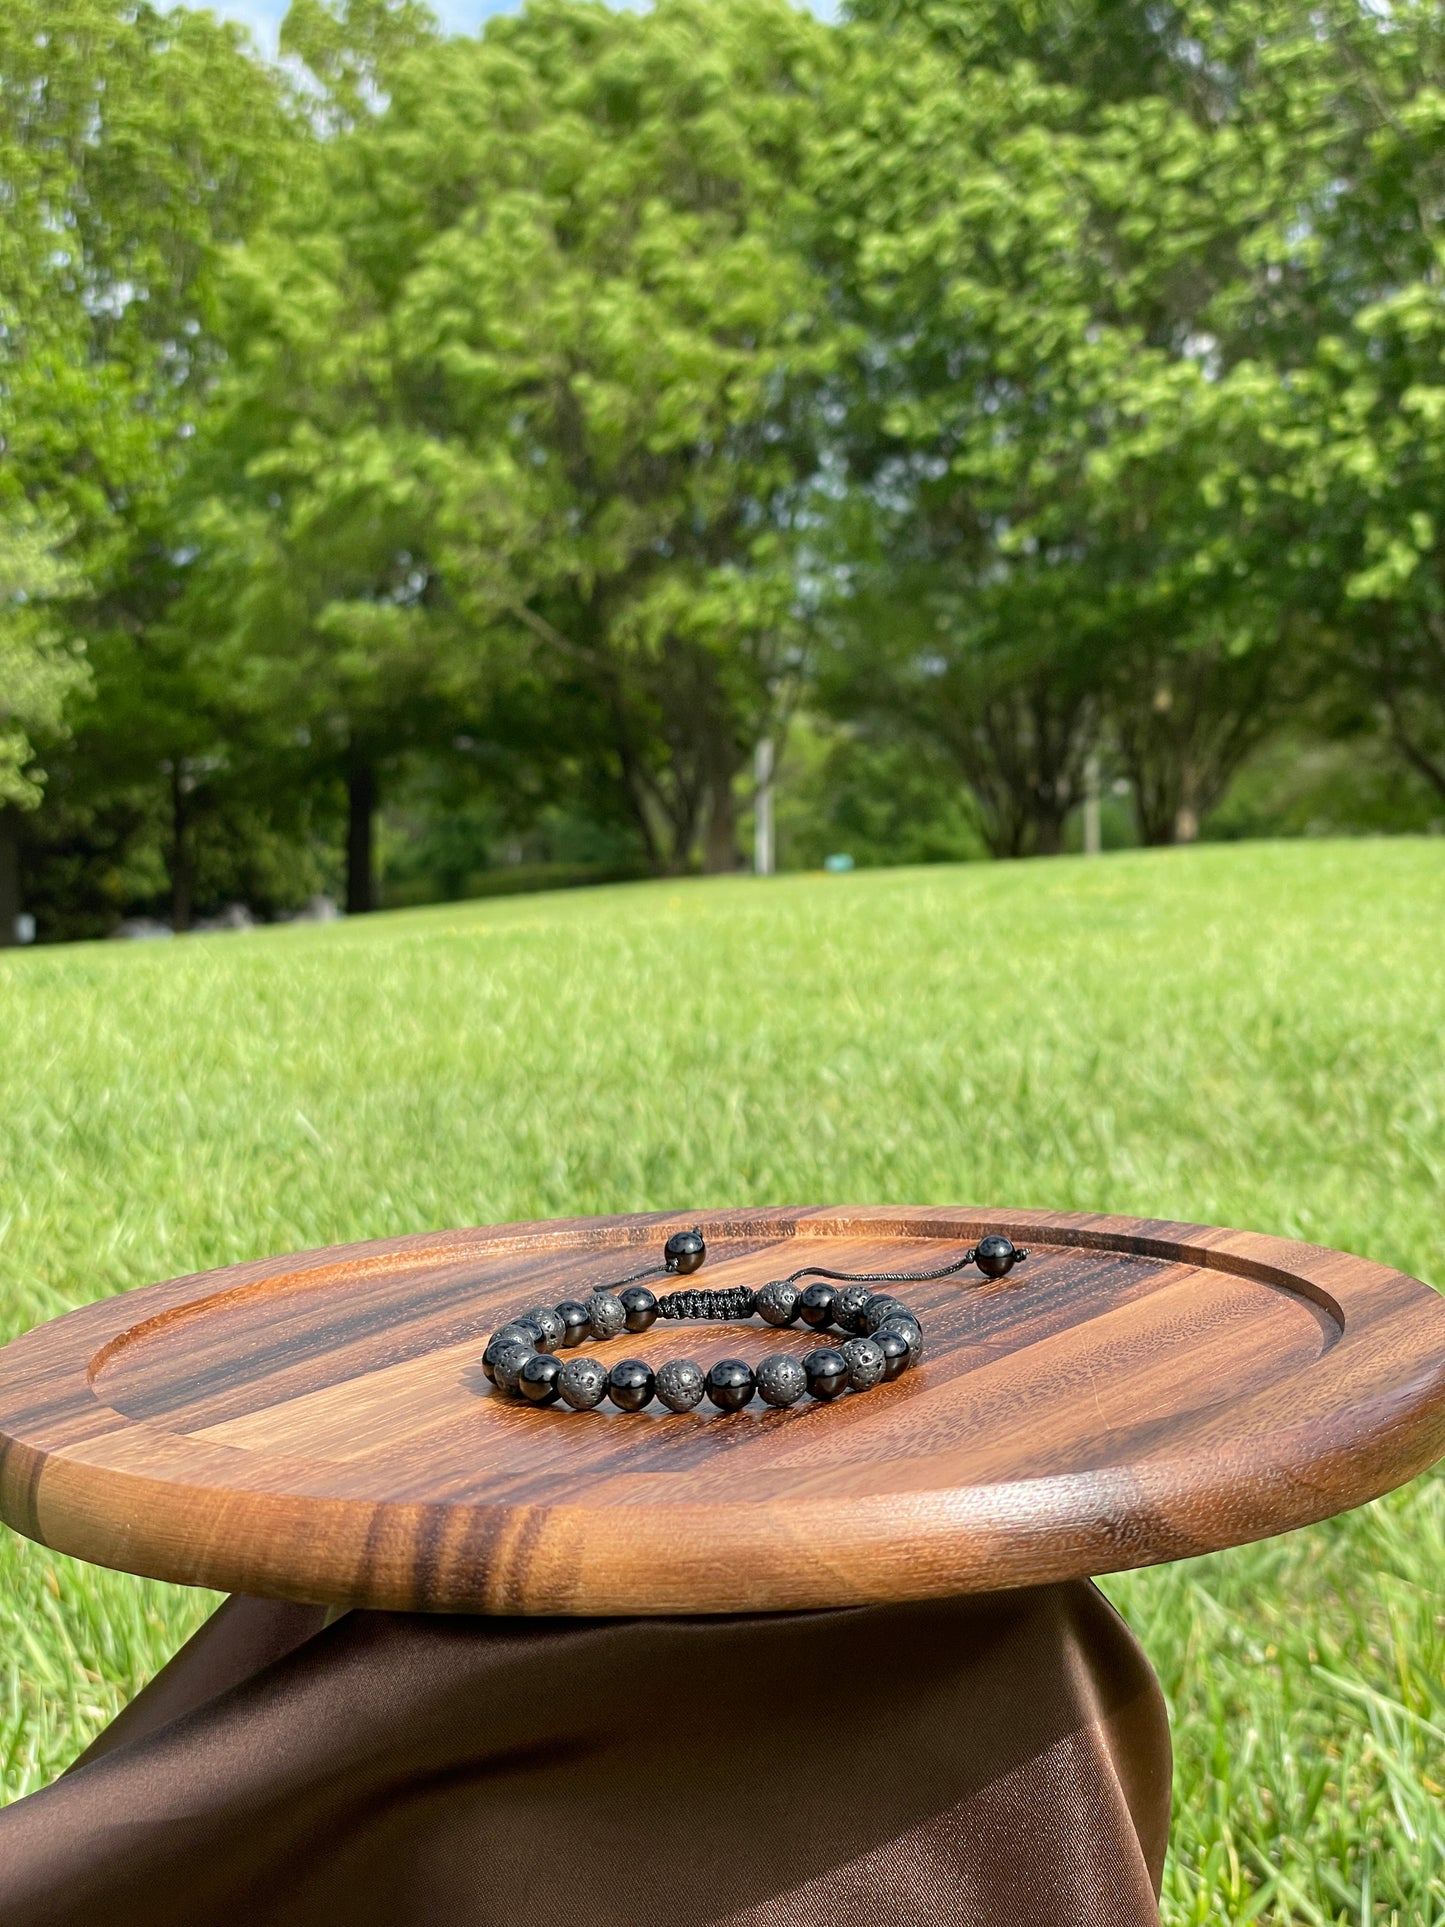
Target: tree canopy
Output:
{"points": [[513, 431]]}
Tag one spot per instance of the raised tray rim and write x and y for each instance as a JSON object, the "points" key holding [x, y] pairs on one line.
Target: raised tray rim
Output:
{"points": [[1374, 1416]]}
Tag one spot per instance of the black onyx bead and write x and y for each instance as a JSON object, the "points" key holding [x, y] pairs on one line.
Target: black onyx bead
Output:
{"points": [[508, 1362], [815, 1304], [576, 1322], [605, 1314], [680, 1384], [897, 1354], [684, 1251], [631, 1385], [547, 1323], [583, 1382], [639, 1308], [778, 1302], [848, 1307], [996, 1256], [730, 1384], [865, 1363], [826, 1372], [781, 1379], [880, 1307], [538, 1377]]}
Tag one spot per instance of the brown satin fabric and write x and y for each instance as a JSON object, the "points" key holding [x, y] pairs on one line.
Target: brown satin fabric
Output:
{"points": [[1000, 1761]]}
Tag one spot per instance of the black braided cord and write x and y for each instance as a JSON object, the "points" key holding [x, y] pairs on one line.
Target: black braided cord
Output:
{"points": [[740, 1301], [885, 1277], [632, 1278]]}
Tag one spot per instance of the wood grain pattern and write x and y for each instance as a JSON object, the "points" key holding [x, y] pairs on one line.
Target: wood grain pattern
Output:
{"points": [[318, 1427]]}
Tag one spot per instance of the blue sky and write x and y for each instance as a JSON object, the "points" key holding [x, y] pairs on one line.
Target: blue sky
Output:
{"points": [[263, 17]]}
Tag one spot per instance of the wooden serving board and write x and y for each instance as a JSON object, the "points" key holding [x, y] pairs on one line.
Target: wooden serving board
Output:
{"points": [[319, 1427]]}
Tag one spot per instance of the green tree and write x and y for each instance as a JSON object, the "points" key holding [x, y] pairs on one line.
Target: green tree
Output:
{"points": [[136, 145], [1061, 233], [41, 667], [524, 388], [1354, 472]]}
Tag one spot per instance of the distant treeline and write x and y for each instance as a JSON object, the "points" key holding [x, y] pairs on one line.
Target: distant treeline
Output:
{"points": [[428, 455]]}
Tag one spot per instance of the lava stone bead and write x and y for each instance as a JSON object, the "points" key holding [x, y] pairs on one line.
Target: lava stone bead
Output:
{"points": [[781, 1379], [778, 1302], [548, 1323], [576, 1322], [880, 1307], [826, 1372], [897, 1355], [995, 1256], [815, 1304], [583, 1383], [848, 1307], [865, 1363], [631, 1384], [684, 1251], [537, 1380], [508, 1362], [498, 1342], [639, 1308], [909, 1329], [514, 1329], [680, 1384], [605, 1314], [730, 1384]]}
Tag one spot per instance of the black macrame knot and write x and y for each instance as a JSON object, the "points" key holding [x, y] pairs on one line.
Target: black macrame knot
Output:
{"points": [[728, 1304]]}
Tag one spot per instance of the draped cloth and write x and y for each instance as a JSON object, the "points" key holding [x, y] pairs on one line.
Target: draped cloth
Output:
{"points": [[1001, 1761]]}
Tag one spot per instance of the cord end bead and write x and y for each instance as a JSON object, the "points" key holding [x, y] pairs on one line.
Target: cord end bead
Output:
{"points": [[684, 1251], [996, 1255]]}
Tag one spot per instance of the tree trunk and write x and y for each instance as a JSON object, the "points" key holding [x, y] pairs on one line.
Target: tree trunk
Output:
{"points": [[1021, 746], [360, 839], [1182, 745], [183, 869], [1417, 757], [720, 851], [9, 875], [1048, 833]]}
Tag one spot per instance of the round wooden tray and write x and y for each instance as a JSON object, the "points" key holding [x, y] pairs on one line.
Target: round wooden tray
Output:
{"points": [[319, 1427]]}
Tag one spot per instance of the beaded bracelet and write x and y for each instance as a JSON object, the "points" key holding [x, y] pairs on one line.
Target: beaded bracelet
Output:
{"points": [[886, 1337]]}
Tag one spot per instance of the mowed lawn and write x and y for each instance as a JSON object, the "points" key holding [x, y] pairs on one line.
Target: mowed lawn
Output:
{"points": [[1249, 1035]]}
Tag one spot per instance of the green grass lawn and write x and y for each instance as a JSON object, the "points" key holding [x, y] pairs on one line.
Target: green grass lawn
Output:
{"points": [[1249, 1035]]}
